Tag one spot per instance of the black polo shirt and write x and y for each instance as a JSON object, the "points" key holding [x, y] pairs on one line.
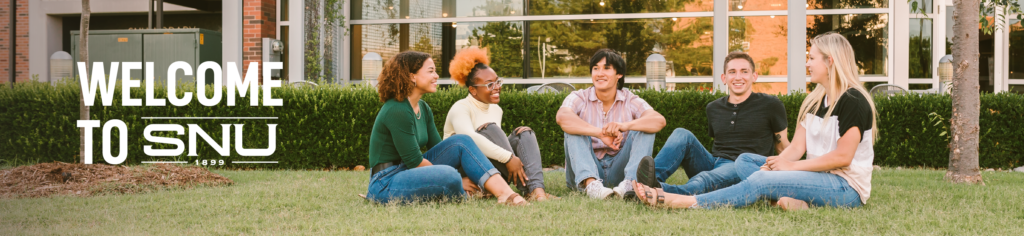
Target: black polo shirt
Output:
{"points": [[748, 127]]}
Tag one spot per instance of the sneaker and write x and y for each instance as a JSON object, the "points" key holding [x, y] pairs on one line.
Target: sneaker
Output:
{"points": [[597, 190], [624, 187]]}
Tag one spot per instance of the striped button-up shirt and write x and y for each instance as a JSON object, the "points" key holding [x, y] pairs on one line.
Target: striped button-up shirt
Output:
{"points": [[627, 107]]}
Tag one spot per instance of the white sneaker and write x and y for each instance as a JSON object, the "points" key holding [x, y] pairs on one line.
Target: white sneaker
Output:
{"points": [[597, 190], [624, 186]]}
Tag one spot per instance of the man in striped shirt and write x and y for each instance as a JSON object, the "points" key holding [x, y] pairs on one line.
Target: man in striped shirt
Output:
{"points": [[608, 130]]}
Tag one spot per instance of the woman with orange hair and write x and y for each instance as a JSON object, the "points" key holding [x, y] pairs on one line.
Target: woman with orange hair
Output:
{"points": [[516, 156], [404, 125]]}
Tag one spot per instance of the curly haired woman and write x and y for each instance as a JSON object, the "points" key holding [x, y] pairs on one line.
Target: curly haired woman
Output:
{"points": [[516, 156], [405, 124]]}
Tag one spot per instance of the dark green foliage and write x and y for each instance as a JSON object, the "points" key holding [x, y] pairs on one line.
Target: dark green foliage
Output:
{"points": [[329, 126]]}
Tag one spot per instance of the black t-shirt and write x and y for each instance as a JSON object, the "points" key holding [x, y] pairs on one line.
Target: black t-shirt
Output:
{"points": [[748, 127], [852, 110]]}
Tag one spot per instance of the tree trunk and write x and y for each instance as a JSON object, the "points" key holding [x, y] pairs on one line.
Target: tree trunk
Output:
{"points": [[83, 55], [963, 147]]}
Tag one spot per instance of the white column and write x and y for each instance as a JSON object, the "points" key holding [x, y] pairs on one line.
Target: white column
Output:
{"points": [[296, 40], [344, 48], [796, 46], [900, 44], [231, 35], [1002, 50], [721, 42], [938, 39]]}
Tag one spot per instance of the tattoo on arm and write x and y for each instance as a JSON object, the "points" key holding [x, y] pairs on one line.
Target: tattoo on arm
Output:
{"points": [[778, 138]]}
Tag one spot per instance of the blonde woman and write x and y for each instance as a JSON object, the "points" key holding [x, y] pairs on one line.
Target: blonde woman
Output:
{"points": [[836, 128]]}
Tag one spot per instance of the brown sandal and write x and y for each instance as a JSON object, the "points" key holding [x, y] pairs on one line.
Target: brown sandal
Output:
{"points": [[510, 200], [652, 200]]}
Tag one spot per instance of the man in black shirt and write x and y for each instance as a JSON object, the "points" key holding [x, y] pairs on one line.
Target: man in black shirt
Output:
{"points": [[743, 122]]}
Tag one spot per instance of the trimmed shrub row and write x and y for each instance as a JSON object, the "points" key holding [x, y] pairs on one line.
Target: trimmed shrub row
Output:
{"points": [[329, 126]]}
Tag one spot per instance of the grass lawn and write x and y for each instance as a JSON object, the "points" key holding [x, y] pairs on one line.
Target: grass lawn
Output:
{"points": [[305, 202]]}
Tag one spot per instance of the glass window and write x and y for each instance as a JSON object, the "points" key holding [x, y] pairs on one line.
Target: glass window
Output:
{"points": [[1017, 89], [566, 7], [921, 48], [757, 5], [412, 9], [949, 30], [477, 8], [764, 38], [503, 41], [867, 33], [846, 4], [920, 6], [284, 9], [689, 86], [563, 48], [1016, 49]]}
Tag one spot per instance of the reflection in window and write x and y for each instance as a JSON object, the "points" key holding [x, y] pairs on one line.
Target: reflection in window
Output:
{"points": [[846, 4], [920, 6], [921, 48], [770, 87], [867, 33], [376, 9], [764, 38], [387, 40], [757, 5], [564, 48], [502, 40], [477, 8], [566, 7], [413, 9], [1016, 50], [949, 30], [706, 87], [1017, 89]]}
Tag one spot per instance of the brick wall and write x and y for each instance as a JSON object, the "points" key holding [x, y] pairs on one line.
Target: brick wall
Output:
{"points": [[21, 60], [259, 21]]}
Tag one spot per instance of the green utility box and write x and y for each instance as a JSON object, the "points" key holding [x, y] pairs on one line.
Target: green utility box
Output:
{"points": [[160, 46]]}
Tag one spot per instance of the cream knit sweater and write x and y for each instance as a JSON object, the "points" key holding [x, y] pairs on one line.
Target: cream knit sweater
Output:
{"points": [[468, 114]]}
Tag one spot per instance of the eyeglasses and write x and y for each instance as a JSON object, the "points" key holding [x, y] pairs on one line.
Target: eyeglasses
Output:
{"points": [[492, 85]]}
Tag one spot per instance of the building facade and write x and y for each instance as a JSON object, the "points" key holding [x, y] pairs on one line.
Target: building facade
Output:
{"points": [[542, 41]]}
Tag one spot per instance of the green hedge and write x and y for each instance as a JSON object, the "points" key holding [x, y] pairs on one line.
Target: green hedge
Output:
{"points": [[329, 126]]}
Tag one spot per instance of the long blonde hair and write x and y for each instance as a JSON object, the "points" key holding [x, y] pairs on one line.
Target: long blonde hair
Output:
{"points": [[842, 75]]}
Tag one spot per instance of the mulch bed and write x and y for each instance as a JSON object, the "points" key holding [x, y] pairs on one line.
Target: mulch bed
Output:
{"points": [[59, 178]]}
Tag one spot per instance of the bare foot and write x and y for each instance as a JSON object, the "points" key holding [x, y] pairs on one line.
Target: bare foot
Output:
{"points": [[791, 204], [669, 200], [517, 201], [539, 195]]}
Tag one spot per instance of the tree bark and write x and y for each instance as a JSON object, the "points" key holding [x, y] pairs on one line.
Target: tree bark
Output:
{"points": [[83, 55], [963, 147]]}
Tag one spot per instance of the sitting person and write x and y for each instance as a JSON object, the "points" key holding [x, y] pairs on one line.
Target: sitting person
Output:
{"points": [[400, 172], [836, 128], [742, 122], [516, 156], [608, 130]]}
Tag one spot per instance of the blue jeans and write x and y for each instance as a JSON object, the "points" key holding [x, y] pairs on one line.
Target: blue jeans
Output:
{"points": [[815, 188], [581, 163], [707, 173], [441, 180]]}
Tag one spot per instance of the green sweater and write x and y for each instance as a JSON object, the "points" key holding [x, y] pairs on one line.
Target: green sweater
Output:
{"points": [[398, 136]]}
